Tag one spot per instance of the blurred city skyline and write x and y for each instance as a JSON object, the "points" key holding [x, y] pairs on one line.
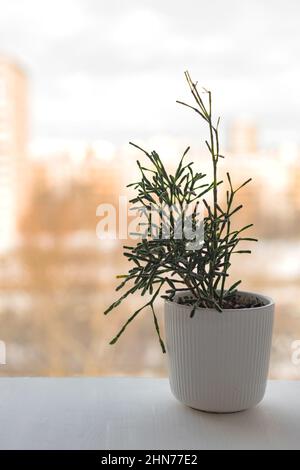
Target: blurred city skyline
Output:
{"points": [[99, 163]]}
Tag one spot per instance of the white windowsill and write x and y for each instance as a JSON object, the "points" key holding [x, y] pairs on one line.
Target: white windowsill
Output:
{"points": [[137, 413]]}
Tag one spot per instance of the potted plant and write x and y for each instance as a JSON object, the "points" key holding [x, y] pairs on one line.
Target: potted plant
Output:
{"points": [[218, 338]]}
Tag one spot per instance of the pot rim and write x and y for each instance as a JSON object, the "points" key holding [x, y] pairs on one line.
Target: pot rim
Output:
{"points": [[269, 303]]}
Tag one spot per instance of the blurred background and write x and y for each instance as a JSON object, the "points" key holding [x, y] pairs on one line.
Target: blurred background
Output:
{"points": [[78, 80]]}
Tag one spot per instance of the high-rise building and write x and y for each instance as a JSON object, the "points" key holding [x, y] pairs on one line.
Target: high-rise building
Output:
{"points": [[243, 137], [13, 143]]}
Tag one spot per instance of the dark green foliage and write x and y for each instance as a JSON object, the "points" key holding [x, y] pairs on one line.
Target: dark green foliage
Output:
{"points": [[165, 265]]}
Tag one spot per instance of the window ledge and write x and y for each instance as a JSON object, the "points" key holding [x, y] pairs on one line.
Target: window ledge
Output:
{"points": [[137, 413]]}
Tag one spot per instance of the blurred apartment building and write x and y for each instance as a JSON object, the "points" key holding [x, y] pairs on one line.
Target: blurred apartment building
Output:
{"points": [[243, 137], [13, 144], [272, 199]]}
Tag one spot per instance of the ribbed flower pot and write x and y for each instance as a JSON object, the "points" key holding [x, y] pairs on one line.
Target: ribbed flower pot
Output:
{"points": [[219, 362]]}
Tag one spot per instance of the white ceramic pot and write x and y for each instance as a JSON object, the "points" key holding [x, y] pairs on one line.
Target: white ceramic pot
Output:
{"points": [[219, 362]]}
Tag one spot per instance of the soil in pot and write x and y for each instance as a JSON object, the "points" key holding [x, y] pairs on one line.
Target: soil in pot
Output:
{"points": [[238, 300]]}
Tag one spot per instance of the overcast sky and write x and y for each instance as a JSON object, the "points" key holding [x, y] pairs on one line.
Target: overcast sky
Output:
{"points": [[112, 69]]}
